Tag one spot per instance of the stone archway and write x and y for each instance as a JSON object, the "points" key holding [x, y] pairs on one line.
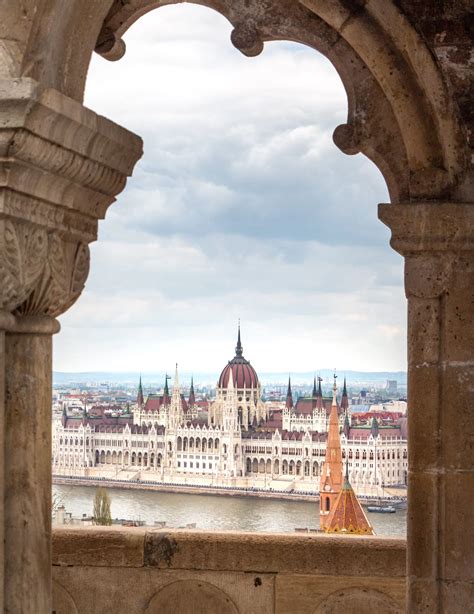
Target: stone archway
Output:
{"points": [[62, 166]]}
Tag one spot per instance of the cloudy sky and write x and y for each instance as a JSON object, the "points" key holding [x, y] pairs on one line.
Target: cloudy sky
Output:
{"points": [[241, 207]]}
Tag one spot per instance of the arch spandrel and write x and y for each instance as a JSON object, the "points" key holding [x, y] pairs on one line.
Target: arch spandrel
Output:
{"points": [[399, 110], [400, 113]]}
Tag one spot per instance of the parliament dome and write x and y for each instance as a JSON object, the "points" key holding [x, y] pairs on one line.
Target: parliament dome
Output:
{"points": [[243, 374]]}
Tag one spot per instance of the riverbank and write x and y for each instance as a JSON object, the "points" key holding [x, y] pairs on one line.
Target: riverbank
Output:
{"points": [[190, 489]]}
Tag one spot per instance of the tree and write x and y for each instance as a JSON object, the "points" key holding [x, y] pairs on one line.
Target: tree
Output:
{"points": [[56, 502], [101, 513]]}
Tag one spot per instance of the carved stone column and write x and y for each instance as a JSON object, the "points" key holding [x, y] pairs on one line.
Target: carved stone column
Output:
{"points": [[437, 241], [61, 166]]}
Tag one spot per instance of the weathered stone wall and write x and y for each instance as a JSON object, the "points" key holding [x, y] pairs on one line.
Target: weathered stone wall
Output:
{"points": [[133, 571], [407, 66]]}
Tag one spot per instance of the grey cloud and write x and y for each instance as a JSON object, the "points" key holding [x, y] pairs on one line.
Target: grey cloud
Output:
{"points": [[241, 207]]}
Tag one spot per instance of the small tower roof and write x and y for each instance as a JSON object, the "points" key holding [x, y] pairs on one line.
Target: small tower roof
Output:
{"points": [[166, 391], [344, 399], [347, 515], [319, 394], [347, 426], [192, 397], [374, 427], [238, 348], [289, 395], [140, 399]]}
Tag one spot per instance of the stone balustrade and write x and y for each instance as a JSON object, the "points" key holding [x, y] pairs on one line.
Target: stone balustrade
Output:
{"points": [[135, 570]]}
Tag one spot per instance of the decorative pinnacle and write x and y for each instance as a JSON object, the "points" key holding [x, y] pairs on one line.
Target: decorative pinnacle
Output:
{"points": [[315, 392], [334, 390], [238, 348]]}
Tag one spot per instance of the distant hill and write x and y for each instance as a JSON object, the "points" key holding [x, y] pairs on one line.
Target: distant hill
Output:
{"points": [[131, 377]]}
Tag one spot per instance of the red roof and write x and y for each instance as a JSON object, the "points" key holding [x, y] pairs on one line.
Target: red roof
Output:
{"points": [[154, 402], [243, 374], [347, 515], [306, 406]]}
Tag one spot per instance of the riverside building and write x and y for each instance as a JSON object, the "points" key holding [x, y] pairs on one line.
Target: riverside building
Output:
{"points": [[235, 440]]}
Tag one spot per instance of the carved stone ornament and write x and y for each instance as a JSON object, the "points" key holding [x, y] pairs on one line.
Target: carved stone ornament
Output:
{"points": [[61, 166]]}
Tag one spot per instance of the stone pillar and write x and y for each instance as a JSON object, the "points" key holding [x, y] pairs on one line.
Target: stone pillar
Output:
{"points": [[27, 454], [61, 166], [437, 241]]}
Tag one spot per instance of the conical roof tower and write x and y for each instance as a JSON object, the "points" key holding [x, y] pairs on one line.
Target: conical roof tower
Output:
{"points": [[140, 399], [289, 396], [347, 515], [331, 475]]}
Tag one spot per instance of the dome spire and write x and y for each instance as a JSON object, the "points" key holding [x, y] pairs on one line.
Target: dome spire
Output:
{"points": [[238, 347]]}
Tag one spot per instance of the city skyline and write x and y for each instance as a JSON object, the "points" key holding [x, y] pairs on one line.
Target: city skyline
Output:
{"points": [[237, 209]]}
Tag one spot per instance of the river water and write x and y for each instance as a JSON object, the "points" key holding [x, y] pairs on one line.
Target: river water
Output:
{"points": [[214, 512]]}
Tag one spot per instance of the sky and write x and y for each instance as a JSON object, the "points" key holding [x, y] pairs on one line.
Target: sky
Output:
{"points": [[241, 207]]}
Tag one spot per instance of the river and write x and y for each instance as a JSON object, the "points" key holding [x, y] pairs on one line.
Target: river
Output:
{"points": [[214, 512]]}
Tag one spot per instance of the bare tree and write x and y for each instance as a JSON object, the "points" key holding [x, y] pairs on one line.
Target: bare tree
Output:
{"points": [[101, 513], [56, 503]]}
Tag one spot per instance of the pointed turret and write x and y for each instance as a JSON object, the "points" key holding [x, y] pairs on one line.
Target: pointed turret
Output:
{"points": [[176, 389], [64, 415], [289, 395], [331, 474], [344, 399], [192, 397], [347, 426], [238, 348], [140, 399], [347, 515], [374, 427], [315, 391], [166, 391], [176, 407], [230, 383], [319, 394]]}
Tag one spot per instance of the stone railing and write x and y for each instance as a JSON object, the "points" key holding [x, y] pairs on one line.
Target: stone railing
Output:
{"points": [[134, 571]]}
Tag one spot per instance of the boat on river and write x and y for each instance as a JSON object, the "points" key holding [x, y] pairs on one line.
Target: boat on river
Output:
{"points": [[381, 509]]}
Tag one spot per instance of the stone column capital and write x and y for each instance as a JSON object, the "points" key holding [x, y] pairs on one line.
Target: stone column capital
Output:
{"points": [[61, 166], [437, 241], [427, 227]]}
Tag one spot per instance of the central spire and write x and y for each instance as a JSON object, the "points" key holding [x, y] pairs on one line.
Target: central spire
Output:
{"points": [[238, 347]]}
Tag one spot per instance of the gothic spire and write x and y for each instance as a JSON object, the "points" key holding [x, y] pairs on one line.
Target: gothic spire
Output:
{"points": [[140, 393], [315, 392], [374, 428], [347, 426], [238, 347], [166, 391], [319, 396], [289, 395], [192, 397], [344, 399]]}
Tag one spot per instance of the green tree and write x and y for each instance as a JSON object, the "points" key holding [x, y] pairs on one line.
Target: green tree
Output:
{"points": [[102, 514]]}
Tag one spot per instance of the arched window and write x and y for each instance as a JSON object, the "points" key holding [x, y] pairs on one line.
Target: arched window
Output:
{"points": [[328, 504]]}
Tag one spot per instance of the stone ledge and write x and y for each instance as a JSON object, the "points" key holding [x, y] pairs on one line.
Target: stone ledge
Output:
{"points": [[249, 552]]}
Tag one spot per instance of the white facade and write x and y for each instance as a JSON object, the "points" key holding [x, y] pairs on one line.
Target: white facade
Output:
{"points": [[225, 452]]}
